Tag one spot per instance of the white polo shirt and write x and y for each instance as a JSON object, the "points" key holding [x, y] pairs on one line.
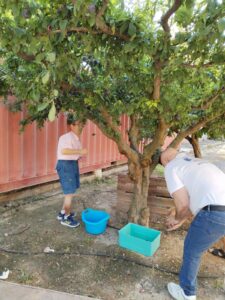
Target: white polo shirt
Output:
{"points": [[204, 182]]}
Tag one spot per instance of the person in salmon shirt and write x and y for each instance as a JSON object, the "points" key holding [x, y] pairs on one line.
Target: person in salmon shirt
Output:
{"points": [[68, 153]]}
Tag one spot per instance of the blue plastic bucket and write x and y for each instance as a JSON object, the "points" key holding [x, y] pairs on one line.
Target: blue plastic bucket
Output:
{"points": [[95, 220]]}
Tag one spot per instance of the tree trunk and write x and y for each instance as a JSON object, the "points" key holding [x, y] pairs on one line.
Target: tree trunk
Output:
{"points": [[139, 211], [194, 141]]}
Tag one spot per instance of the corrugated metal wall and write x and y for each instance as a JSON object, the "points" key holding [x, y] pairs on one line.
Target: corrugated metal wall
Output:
{"points": [[29, 158]]}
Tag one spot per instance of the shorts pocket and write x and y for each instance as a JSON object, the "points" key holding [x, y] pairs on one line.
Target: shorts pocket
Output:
{"points": [[59, 167]]}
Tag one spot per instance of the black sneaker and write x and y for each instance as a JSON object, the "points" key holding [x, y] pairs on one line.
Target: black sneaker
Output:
{"points": [[61, 216], [70, 222]]}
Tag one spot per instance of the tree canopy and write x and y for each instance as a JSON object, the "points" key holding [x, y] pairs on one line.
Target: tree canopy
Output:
{"points": [[159, 62]]}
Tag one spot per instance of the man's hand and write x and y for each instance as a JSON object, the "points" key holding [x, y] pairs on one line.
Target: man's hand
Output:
{"points": [[181, 212], [171, 222]]}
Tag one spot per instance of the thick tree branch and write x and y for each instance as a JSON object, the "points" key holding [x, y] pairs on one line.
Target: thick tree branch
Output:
{"points": [[194, 141], [194, 128], [134, 133], [108, 119], [102, 9], [158, 139], [157, 81], [161, 130], [154, 160], [100, 22], [168, 14], [116, 136]]}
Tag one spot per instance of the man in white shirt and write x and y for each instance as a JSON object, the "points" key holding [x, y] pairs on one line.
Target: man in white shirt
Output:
{"points": [[197, 188]]}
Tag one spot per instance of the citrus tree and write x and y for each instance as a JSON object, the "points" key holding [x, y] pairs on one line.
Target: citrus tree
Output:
{"points": [[159, 62]]}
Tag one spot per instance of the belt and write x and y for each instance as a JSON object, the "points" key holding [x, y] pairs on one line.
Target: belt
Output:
{"points": [[214, 207]]}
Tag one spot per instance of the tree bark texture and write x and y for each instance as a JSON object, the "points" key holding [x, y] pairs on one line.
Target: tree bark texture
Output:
{"points": [[139, 212], [194, 141]]}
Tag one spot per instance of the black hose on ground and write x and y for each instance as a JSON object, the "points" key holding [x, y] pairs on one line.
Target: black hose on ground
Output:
{"points": [[99, 254]]}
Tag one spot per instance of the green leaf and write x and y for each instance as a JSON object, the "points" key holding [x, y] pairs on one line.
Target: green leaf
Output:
{"points": [[35, 94], [46, 77], [55, 93], [16, 47], [88, 101], [51, 57], [52, 113], [63, 24], [39, 57], [43, 106], [91, 20], [132, 29], [221, 25], [123, 28], [129, 47], [183, 16]]}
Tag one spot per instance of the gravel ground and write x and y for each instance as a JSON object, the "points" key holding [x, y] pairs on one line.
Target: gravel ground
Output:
{"points": [[95, 265]]}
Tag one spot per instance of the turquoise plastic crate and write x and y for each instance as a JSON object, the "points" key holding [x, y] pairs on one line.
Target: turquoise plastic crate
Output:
{"points": [[139, 239]]}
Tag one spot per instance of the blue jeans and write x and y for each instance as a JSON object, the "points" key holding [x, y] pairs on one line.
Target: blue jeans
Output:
{"points": [[205, 230]]}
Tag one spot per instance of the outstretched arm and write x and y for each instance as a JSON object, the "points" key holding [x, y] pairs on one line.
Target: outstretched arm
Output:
{"points": [[178, 216]]}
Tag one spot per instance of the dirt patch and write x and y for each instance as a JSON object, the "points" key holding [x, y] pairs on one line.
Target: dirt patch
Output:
{"points": [[89, 265]]}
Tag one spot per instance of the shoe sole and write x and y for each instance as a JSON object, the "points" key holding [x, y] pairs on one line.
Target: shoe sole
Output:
{"points": [[171, 294], [68, 225]]}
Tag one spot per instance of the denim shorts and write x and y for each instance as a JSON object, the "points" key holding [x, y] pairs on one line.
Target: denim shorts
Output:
{"points": [[69, 176]]}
